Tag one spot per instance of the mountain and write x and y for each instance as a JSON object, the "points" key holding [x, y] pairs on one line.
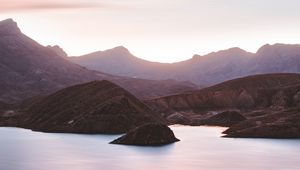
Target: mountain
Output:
{"points": [[94, 107], [29, 69], [119, 61], [204, 70], [248, 93], [277, 58]]}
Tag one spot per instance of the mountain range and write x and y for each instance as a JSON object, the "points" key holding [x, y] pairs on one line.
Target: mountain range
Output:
{"points": [[41, 89], [205, 70], [29, 69]]}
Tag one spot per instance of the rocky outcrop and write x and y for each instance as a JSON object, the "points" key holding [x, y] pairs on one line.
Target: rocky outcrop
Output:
{"points": [[9, 27], [267, 104], [275, 124], [58, 50], [226, 119], [178, 118], [148, 135], [94, 107]]}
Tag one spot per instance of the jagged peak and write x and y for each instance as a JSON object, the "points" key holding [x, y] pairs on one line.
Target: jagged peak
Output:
{"points": [[119, 50], [116, 52], [230, 51], [58, 50], [195, 56], [9, 27]]}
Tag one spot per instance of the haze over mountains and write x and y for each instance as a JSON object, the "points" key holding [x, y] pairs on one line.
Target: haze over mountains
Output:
{"points": [[29, 69], [204, 70]]}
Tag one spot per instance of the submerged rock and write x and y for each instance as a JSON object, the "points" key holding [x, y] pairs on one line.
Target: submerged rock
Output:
{"points": [[148, 135]]}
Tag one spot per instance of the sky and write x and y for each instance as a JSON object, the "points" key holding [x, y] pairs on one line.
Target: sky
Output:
{"points": [[156, 30]]}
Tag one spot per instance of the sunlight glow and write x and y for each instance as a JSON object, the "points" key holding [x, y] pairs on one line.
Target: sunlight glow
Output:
{"points": [[168, 31]]}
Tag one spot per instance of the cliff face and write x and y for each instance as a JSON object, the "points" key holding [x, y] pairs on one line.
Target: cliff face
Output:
{"points": [[95, 107]]}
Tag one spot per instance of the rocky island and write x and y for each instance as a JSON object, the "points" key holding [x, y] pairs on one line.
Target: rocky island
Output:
{"points": [[152, 134]]}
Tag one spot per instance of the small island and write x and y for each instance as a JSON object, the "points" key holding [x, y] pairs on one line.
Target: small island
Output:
{"points": [[152, 134]]}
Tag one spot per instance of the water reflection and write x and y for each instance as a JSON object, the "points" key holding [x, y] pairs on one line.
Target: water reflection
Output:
{"points": [[199, 148]]}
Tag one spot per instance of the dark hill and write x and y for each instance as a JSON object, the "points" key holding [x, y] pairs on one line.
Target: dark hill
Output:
{"points": [[226, 119], [148, 135], [95, 107], [243, 93]]}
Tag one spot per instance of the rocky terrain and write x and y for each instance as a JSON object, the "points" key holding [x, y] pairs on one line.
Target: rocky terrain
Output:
{"points": [[148, 135], [281, 120], [206, 70], [274, 124], [94, 107], [269, 103], [226, 119], [242, 94], [29, 69]]}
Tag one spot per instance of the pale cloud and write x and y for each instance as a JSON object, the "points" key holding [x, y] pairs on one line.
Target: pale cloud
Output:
{"points": [[24, 5]]}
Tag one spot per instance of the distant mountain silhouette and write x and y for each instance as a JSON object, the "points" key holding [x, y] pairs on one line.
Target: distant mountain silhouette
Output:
{"points": [[29, 69], [120, 61], [206, 70], [94, 107]]}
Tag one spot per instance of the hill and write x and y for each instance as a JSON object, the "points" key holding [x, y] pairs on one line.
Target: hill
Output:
{"points": [[94, 107]]}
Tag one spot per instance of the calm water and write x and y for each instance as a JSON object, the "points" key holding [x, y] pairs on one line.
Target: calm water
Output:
{"points": [[200, 148]]}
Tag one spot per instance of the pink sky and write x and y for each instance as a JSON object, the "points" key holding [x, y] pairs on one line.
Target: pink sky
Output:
{"points": [[165, 31]]}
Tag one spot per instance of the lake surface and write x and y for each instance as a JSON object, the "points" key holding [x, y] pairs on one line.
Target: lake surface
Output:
{"points": [[200, 148]]}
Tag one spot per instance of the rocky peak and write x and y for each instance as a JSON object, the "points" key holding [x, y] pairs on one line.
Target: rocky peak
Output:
{"points": [[196, 56], [279, 50], [58, 50], [9, 27], [119, 51]]}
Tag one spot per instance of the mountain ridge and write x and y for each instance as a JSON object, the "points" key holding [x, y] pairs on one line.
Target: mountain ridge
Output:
{"points": [[29, 69], [209, 69]]}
